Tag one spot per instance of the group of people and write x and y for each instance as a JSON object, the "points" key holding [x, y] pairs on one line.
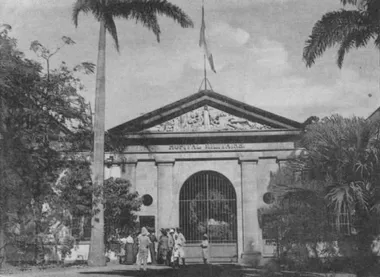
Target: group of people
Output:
{"points": [[170, 247]]}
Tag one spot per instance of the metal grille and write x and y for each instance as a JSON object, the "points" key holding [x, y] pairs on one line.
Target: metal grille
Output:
{"points": [[207, 205]]}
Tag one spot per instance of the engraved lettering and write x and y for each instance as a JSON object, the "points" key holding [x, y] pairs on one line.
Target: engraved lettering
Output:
{"points": [[194, 147]]}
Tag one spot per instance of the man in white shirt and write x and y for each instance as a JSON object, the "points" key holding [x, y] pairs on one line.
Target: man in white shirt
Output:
{"points": [[180, 243]]}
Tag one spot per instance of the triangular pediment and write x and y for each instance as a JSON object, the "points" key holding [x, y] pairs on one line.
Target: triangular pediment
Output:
{"points": [[207, 119], [206, 111]]}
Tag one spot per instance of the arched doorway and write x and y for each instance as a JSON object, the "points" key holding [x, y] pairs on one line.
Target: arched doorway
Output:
{"points": [[207, 205]]}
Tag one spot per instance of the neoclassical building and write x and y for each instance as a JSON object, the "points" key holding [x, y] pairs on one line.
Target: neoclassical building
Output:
{"points": [[204, 163]]}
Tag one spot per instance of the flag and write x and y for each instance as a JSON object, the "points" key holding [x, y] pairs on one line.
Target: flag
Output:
{"points": [[202, 41]]}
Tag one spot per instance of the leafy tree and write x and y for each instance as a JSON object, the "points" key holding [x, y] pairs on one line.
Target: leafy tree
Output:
{"points": [[346, 29], [105, 11], [120, 205], [299, 220], [33, 132], [46, 54], [343, 164], [75, 195]]}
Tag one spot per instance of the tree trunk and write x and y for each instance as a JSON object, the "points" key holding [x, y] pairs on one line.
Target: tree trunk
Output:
{"points": [[2, 184], [96, 255], [2, 240]]}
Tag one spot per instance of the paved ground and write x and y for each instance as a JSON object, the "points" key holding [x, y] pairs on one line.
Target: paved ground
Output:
{"points": [[193, 270]]}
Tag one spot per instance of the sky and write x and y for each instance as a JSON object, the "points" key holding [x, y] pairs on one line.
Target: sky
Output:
{"points": [[256, 44]]}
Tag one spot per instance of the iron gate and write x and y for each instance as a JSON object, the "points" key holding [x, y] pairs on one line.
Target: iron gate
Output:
{"points": [[207, 205]]}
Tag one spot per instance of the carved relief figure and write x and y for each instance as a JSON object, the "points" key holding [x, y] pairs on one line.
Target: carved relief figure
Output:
{"points": [[217, 121]]}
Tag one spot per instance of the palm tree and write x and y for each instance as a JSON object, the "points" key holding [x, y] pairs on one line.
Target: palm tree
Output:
{"points": [[346, 29], [343, 160], [105, 11]]}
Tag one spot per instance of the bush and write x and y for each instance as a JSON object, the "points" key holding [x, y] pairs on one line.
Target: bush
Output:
{"points": [[66, 246]]}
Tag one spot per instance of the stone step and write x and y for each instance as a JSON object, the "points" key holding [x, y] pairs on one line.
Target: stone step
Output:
{"points": [[250, 275]]}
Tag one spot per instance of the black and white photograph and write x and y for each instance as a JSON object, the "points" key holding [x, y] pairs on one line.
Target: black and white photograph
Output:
{"points": [[190, 138]]}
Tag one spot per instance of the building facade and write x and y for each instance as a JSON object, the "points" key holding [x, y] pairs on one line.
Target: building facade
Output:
{"points": [[204, 164]]}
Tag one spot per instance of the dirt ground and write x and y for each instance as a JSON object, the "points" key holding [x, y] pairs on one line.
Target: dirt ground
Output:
{"points": [[192, 270]]}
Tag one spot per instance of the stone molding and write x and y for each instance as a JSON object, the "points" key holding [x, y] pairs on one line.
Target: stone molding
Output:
{"points": [[130, 161], [282, 162], [212, 99], [255, 161], [248, 160], [164, 162]]}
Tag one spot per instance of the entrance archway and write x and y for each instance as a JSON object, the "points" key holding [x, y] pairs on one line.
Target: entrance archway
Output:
{"points": [[207, 205]]}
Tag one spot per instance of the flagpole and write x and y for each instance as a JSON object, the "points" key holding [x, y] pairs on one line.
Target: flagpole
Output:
{"points": [[204, 70], [204, 55], [207, 54]]}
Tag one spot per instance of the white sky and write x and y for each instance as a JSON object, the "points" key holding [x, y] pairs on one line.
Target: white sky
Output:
{"points": [[257, 47]]}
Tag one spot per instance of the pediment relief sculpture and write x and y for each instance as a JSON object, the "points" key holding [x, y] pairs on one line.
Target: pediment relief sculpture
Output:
{"points": [[207, 119]]}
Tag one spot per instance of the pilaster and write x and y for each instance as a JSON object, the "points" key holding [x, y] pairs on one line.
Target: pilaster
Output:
{"points": [[165, 203], [128, 172], [251, 230]]}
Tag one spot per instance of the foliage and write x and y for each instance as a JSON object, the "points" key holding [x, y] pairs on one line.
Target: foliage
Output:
{"points": [[46, 54], [143, 11], [66, 246], [344, 154], [38, 118], [105, 11], [346, 29], [120, 205], [299, 221], [76, 191], [342, 162]]}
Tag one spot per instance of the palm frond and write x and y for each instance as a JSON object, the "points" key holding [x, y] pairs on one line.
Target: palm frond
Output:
{"points": [[357, 39], [377, 41], [331, 30], [360, 194], [376, 208], [146, 11], [122, 8], [94, 6], [86, 67], [358, 3], [150, 21], [110, 26], [340, 198], [80, 6], [143, 11]]}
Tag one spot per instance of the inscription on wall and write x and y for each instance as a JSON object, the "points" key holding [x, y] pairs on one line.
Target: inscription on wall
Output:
{"points": [[210, 147], [188, 147], [192, 147]]}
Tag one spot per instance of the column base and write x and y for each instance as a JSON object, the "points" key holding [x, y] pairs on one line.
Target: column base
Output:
{"points": [[252, 259]]}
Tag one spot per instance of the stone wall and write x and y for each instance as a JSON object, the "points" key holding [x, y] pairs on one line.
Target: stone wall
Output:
{"points": [[162, 170]]}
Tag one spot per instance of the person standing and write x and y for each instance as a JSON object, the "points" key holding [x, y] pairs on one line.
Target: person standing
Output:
{"points": [[152, 247], [121, 255], [129, 251], [204, 246], [135, 246], [144, 242], [171, 247], [180, 245], [163, 248]]}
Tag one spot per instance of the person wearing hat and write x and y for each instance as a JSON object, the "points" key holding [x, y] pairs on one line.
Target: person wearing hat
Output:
{"points": [[143, 242], [152, 247], [163, 247], [180, 246], [204, 246], [170, 246]]}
